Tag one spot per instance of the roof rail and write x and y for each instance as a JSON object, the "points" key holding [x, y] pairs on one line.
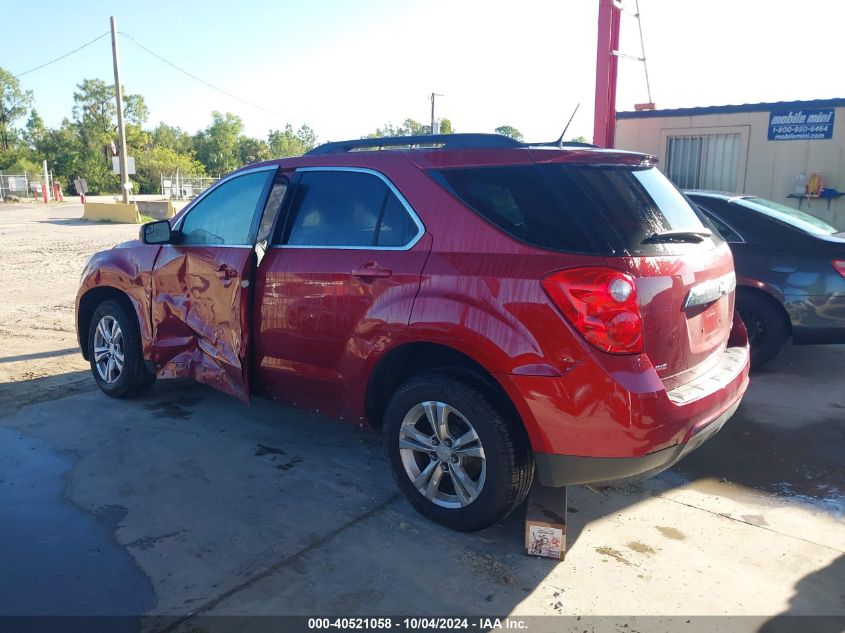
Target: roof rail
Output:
{"points": [[561, 144], [438, 141]]}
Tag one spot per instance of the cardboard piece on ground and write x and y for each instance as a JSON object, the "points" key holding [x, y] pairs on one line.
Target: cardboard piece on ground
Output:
{"points": [[545, 522]]}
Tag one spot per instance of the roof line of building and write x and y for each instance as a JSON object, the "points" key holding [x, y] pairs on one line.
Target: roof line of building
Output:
{"points": [[730, 109]]}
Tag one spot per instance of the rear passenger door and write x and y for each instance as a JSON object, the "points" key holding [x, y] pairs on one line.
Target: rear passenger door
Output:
{"points": [[336, 287]]}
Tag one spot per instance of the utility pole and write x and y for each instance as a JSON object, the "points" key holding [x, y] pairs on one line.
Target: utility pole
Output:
{"points": [[121, 129], [433, 120]]}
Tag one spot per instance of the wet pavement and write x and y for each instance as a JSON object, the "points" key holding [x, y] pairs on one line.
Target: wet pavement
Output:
{"points": [[57, 558]]}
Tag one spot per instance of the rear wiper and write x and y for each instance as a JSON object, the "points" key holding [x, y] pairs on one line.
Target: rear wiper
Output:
{"points": [[694, 236]]}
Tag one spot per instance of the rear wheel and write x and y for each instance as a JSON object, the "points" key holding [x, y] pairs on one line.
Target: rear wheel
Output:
{"points": [[114, 351], [766, 324], [456, 451]]}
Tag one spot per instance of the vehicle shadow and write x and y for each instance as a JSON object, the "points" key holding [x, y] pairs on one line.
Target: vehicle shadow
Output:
{"points": [[21, 393], [820, 595], [81, 222]]}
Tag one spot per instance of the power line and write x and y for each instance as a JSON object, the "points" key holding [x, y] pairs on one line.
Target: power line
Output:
{"points": [[53, 61], [199, 79]]}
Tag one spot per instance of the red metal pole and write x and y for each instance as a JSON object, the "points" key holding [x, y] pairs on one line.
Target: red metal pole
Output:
{"points": [[604, 123]]}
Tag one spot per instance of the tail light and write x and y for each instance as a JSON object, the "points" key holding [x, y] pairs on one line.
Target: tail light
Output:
{"points": [[601, 303], [839, 265]]}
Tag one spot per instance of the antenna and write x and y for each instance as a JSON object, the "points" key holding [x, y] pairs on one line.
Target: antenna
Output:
{"points": [[560, 140]]}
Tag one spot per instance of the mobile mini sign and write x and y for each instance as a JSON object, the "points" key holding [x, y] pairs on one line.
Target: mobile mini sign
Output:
{"points": [[801, 125]]}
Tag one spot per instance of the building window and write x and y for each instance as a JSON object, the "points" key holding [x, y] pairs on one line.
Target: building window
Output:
{"points": [[704, 161]]}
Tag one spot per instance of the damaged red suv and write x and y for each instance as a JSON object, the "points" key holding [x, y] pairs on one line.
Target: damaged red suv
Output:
{"points": [[495, 309]]}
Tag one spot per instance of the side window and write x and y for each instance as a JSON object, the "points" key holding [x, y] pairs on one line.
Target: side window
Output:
{"points": [[272, 208], [396, 228], [224, 217], [349, 209], [710, 206], [727, 233]]}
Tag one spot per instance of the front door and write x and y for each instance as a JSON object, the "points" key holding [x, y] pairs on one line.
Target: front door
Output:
{"points": [[201, 286]]}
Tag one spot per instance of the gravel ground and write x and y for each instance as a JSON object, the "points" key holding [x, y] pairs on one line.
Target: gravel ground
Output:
{"points": [[42, 252]]}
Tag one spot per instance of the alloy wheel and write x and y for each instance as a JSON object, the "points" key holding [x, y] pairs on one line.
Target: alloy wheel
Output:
{"points": [[442, 454], [108, 349]]}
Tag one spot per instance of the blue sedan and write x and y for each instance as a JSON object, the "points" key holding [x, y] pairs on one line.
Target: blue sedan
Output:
{"points": [[790, 269]]}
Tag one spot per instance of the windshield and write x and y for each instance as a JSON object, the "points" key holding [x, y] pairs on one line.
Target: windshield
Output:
{"points": [[793, 217]]}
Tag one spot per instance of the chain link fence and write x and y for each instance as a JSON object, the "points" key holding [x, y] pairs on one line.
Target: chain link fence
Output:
{"points": [[185, 187], [19, 185]]}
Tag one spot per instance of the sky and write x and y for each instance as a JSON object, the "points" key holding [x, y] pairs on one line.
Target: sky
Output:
{"points": [[348, 67]]}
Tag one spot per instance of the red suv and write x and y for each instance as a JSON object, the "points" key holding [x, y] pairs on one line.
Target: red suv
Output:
{"points": [[492, 308]]}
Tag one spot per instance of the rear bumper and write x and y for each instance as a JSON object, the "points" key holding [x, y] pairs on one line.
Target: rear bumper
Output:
{"points": [[569, 470], [611, 418]]}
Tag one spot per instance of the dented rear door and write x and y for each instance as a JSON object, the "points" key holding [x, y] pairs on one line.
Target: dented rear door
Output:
{"points": [[202, 285]]}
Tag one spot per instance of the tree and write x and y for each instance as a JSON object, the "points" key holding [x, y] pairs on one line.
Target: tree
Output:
{"points": [[135, 109], [95, 115], [217, 145], [289, 143], [63, 149], [94, 111], [23, 156], [579, 139], [253, 150], [35, 131], [171, 137], [410, 127], [510, 131], [14, 103], [157, 161]]}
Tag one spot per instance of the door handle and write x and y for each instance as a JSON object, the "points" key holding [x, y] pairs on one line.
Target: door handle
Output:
{"points": [[371, 271], [224, 272]]}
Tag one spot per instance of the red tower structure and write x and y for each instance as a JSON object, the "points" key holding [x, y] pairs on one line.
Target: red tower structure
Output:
{"points": [[604, 122]]}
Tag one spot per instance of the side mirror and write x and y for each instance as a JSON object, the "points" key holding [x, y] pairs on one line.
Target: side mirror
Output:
{"points": [[156, 232]]}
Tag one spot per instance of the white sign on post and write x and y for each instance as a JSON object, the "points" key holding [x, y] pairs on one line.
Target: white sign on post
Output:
{"points": [[130, 164]]}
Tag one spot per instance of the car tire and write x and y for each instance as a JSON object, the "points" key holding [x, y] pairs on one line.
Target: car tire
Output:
{"points": [[114, 351], [481, 480], [767, 326]]}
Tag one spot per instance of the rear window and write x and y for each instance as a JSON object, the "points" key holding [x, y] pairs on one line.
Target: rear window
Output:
{"points": [[577, 208]]}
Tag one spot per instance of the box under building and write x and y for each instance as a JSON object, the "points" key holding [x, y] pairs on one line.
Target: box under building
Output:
{"points": [[771, 150]]}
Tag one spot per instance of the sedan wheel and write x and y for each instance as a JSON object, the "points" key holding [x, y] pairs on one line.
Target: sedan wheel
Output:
{"points": [[766, 323], [442, 455]]}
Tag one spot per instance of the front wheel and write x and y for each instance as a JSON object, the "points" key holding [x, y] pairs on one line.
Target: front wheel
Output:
{"points": [[114, 351], [456, 451]]}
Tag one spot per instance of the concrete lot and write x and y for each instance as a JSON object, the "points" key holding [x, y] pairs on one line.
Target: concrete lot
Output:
{"points": [[187, 503]]}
